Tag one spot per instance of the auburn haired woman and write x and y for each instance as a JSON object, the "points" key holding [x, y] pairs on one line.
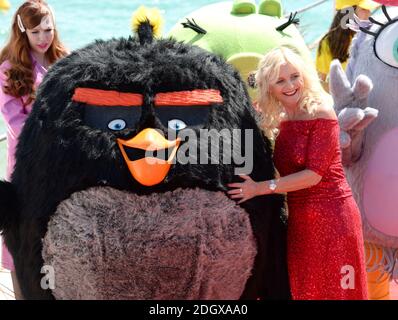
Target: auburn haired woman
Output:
{"points": [[32, 48]]}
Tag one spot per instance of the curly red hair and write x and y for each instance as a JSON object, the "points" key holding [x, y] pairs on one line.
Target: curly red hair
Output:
{"points": [[17, 51]]}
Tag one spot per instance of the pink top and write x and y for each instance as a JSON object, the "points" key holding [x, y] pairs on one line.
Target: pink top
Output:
{"points": [[13, 112], [14, 115]]}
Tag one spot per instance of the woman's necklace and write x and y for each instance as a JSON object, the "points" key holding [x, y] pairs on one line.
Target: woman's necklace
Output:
{"points": [[45, 63]]}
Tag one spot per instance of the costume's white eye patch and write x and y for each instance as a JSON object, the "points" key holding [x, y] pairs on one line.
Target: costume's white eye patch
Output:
{"points": [[117, 125], [177, 125], [386, 45]]}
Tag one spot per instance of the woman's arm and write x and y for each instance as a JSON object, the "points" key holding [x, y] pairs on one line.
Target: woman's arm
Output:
{"points": [[12, 111], [293, 182], [248, 189]]}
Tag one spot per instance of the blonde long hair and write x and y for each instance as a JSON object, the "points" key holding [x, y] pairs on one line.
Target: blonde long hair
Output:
{"points": [[272, 112]]}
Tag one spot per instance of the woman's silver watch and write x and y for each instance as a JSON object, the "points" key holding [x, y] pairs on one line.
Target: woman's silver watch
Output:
{"points": [[272, 185]]}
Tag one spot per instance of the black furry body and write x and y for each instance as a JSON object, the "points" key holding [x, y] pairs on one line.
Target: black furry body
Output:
{"points": [[58, 154]]}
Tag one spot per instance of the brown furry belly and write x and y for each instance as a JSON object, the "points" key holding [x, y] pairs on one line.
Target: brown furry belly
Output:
{"points": [[104, 243]]}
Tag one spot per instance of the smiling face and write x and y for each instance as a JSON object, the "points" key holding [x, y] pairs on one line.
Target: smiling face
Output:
{"points": [[288, 87], [41, 37]]}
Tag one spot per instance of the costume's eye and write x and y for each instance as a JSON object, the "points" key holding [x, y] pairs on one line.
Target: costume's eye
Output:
{"points": [[180, 109], [177, 124], [386, 39], [107, 109], [117, 125], [386, 45]]}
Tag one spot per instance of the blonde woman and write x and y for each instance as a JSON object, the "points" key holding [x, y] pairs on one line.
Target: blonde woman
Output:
{"points": [[325, 248]]}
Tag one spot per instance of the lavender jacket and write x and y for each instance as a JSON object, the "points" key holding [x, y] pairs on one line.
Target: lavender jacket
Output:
{"points": [[13, 112], [14, 115]]}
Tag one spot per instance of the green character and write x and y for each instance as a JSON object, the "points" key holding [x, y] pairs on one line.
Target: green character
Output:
{"points": [[241, 33]]}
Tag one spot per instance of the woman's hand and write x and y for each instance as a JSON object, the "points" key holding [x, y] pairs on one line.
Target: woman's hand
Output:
{"points": [[244, 191], [248, 189]]}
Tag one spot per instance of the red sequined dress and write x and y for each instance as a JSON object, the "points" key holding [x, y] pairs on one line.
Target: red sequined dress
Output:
{"points": [[325, 244]]}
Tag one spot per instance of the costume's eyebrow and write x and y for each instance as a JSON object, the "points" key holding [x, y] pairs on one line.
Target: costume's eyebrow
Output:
{"points": [[107, 98], [292, 20], [197, 97], [384, 9], [383, 25], [376, 22], [364, 30], [194, 26]]}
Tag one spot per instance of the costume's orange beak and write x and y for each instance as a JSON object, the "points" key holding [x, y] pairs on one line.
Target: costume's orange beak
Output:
{"points": [[141, 155]]}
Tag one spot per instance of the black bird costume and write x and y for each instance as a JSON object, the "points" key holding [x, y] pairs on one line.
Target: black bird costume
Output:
{"points": [[100, 199]]}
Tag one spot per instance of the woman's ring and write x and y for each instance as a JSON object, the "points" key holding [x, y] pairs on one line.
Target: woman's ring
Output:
{"points": [[240, 190]]}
